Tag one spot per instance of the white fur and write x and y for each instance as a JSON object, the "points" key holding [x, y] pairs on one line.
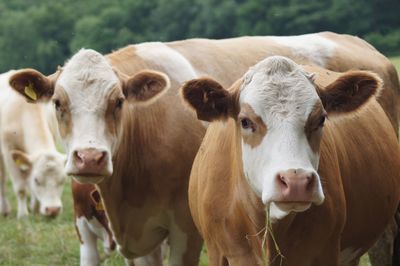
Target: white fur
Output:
{"points": [[87, 78], [175, 65], [281, 94], [313, 46], [89, 231]]}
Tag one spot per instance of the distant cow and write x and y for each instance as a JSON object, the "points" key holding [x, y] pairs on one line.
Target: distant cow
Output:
{"points": [[28, 153], [125, 128], [308, 148]]}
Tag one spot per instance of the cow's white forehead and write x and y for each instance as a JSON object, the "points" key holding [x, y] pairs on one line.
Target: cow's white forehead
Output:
{"points": [[86, 69], [278, 89]]}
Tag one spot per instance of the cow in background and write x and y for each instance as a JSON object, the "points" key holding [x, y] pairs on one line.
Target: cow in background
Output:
{"points": [[28, 154]]}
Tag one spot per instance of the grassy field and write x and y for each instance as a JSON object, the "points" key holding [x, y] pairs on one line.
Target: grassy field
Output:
{"points": [[40, 241]]}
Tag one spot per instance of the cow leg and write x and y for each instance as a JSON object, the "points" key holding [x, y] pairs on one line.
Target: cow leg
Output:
{"points": [[185, 247], [22, 197], [34, 204], [89, 255], [155, 258], [4, 204], [381, 252]]}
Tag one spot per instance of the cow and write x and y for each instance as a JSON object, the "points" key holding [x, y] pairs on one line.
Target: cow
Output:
{"points": [[299, 165], [29, 155], [125, 129], [91, 224]]}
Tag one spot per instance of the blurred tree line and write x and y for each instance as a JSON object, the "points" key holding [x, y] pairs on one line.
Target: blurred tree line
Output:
{"points": [[43, 33]]}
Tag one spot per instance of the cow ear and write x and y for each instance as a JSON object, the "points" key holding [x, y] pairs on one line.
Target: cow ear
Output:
{"points": [[33, 85], [145, 86], [209, 99], [95, 195], [22, 161], [350, 91]]}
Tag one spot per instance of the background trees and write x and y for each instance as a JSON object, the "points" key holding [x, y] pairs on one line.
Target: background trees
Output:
{"points": [[43, 33]]}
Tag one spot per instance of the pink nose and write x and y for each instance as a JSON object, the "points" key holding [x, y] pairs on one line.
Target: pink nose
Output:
{"points": [[52, 211], [90, 161], [296, 185]]}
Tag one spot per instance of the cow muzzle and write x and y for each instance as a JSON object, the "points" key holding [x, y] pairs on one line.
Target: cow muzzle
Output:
{"points": [[90, 165], [295, 190], [295, 185]]}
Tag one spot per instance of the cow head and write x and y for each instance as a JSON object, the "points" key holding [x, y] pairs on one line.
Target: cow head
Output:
{"points": [[46, 177], [89, 96], [280, 115]]}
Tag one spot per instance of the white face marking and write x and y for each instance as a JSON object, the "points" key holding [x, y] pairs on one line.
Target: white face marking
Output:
{"points": [[174, 64], [87, 79], [47, 179], [312, 46], [280, 93]]}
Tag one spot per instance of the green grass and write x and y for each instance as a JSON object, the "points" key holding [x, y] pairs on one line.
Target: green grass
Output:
{"points": [[40, 241], [396, 61]]}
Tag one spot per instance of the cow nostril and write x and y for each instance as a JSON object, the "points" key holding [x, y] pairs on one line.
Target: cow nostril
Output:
{"points": [[78, 156], [310, 180], [52, 211], [282, 180], [101, 158]]}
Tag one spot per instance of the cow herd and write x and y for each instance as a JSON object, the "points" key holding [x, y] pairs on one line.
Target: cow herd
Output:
{"points": [[271, 150]]}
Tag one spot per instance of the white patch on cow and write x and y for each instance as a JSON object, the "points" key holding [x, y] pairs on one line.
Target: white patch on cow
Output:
{"points": [[281, 94], [349, 255], [87, 79], [313, 46], [88, 251], [175, 65]]}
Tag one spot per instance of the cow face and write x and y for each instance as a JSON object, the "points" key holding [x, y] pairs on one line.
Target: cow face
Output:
{"points": [[280, 115], [46, 177], [89, 96]]}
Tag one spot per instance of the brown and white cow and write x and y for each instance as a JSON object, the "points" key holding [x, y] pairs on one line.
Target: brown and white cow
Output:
{"points": [[319, 158], [29, 154], [91, 223], [126, 131]]}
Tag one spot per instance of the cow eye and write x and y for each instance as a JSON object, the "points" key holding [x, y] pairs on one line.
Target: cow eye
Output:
{"points": [[321, 121], [119, 103], [57, 104], [247, 124]]}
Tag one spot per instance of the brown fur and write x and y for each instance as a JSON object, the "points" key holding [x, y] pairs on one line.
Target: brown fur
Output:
{"points": [[260, 129], [63, 112], [313, 128]]}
